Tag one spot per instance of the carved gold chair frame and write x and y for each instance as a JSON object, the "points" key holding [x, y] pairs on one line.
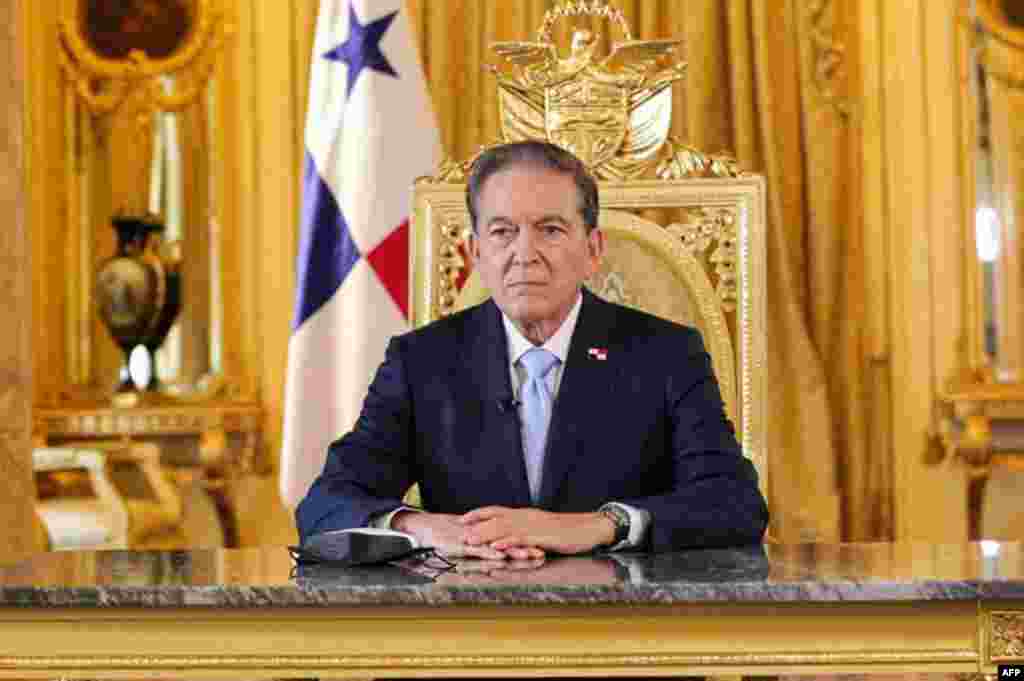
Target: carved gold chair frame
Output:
{"points": [[689, 250]]}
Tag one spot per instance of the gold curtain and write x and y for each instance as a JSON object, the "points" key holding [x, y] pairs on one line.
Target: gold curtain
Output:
{"points": [[764, 83]]}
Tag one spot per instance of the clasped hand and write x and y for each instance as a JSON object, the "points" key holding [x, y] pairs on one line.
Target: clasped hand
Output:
{"points": [[499, 532]]}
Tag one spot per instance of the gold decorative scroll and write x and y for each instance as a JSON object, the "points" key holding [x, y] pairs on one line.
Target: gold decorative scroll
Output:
{"points": [[452, 265], [110, 69], [718, 226]]}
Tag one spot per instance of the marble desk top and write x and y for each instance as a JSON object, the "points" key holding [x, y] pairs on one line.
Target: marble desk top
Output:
{"points": [[266, 577]]}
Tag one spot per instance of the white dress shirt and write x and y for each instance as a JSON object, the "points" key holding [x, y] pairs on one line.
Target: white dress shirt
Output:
{"points": [[558, 345]]}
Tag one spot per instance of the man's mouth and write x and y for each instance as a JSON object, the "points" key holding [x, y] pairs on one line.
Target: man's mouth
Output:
{"points": [[523, 288]]}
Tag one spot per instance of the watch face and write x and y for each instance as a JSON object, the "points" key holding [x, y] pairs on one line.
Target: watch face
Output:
{"points": [[621, 520]]}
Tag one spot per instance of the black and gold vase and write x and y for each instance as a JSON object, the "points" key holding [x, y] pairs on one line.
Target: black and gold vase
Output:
{"points": [[138, 293]]}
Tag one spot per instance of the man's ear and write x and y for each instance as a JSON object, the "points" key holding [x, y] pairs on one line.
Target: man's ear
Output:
{"points": [[473, 248], [596, 243]]}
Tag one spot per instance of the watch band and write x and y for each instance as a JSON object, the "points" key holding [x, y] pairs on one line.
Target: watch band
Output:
{"points": [[621, 520]]}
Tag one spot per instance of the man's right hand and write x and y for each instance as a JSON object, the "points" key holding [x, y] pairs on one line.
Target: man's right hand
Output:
{"points": [[443, 532]]}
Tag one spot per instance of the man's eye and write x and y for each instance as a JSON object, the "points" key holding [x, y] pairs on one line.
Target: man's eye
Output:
{"points": [[502, 234], [552, 230]]}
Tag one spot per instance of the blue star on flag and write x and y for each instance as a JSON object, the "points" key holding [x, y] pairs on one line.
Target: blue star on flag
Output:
{"points": [[361, 49]]}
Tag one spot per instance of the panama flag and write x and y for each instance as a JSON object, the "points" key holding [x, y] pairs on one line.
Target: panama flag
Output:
{"points": [[370, 133]]}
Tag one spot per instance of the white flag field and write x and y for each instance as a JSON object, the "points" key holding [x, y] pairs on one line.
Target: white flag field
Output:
{"points": [[370, 132]]}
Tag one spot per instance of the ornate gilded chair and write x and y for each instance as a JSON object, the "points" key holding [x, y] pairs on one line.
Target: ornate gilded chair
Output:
{"points": [[688, 250], [685, 230]]}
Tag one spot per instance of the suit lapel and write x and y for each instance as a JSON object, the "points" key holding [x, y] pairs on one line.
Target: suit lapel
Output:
{"points": [[587, 381], [484, 376]]}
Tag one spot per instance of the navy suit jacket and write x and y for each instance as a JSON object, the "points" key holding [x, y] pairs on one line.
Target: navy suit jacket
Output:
{"points": [[645, 427]]}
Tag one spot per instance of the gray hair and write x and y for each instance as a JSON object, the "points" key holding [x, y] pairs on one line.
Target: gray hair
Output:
{"points": [[533, 153]]}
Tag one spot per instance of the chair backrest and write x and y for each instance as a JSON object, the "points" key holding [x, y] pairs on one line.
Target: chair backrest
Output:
{"points": [[689, 250]]}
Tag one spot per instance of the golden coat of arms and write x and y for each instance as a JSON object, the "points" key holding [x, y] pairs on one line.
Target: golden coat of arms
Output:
{"points": [[614, 111]]}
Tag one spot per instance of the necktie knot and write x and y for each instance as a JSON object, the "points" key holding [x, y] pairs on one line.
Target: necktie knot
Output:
{"points": [[538, 362]]}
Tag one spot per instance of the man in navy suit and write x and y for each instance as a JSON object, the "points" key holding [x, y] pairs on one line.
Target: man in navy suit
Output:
{"points": [[545, 419]]}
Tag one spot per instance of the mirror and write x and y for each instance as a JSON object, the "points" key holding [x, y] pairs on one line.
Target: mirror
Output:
{"points": [[180, 192], [141, 128], [114, 28], [994, 172]]}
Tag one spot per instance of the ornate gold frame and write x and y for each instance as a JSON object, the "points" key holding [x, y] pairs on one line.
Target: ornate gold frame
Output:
{"points": [[972, 399], [139, 75]]}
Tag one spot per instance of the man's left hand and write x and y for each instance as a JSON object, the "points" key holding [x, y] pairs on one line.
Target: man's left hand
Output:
{"points": [[504, 528]]}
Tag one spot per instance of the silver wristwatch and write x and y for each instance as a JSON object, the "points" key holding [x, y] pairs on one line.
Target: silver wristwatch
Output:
{"points": [[620, 518]]}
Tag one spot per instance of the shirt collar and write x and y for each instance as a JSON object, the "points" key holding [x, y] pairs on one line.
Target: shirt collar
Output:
{"points": [[558, 344]]}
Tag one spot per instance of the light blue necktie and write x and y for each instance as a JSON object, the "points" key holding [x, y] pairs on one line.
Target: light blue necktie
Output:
{"points": [[536, 400]]}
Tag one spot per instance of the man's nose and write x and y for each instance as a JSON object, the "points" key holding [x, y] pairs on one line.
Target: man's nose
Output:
{"points": [[525, 246]]}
